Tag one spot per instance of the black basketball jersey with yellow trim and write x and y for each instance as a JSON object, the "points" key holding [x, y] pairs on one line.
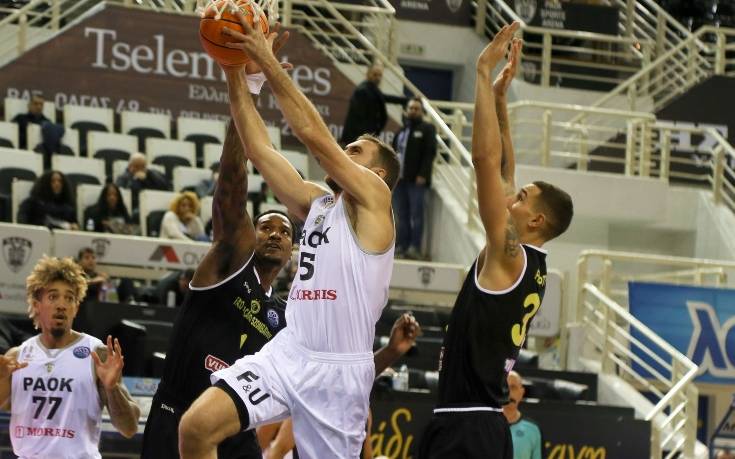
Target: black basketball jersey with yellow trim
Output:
{"points": [[216, 326], [485, 334]]}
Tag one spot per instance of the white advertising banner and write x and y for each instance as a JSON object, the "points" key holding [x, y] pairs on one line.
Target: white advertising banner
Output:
{"points": [[546, 322], [135, 251], [22, 246], [430, 277]]}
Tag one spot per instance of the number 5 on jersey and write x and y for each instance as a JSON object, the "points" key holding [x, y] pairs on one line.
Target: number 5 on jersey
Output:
{"points": [[530, 306]]}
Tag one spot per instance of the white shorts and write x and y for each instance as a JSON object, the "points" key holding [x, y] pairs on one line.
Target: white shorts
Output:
{"points": [[327, 395]]}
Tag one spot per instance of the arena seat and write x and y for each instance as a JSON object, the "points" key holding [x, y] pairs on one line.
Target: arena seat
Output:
{"points": [[153, 223], [299, 161], [213, 152], [71, 140], [87, 195], [8, 134], [20, 190], [86, 119], [274, 133], [270, 206], [153, 200], [200, 132], [8, 175], [189, 177], [145, 125], [22, 159], [72, 166], [15, 107], [170, 154], [111, 147]]}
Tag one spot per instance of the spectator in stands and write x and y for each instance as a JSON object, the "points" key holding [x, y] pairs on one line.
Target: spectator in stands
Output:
{"points": [[138, 177], [182, 220], [206, 186], [366, 113], [173, 288], [415, 144], [33, 116], [51, 203], [98, 282], [109, 215], [527, 440]]}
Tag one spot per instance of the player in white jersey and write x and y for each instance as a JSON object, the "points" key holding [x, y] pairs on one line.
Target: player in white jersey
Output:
{"points": [[319, 369], [56, 383]]}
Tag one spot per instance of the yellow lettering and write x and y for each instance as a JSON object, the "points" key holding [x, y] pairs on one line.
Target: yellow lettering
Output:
{"points": [[568, 451], [397, 447], [518, 332]]}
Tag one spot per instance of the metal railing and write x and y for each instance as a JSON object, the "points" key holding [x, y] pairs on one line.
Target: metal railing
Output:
{"points": [[622, 346], [646, 18], [551, 56]]}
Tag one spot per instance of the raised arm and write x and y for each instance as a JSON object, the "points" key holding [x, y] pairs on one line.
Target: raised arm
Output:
{"points": [[233, 232], [500, 90], [8, 364], [124, 412], [292, 190], [403, 335], [502, 240], [357, 181]]}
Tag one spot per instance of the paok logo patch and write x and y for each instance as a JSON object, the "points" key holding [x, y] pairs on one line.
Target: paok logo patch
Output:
{"points": [[81, 352], [16, 252]]}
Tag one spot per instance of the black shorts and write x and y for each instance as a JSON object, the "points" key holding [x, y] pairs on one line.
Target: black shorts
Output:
{"points": [[467, 435], [161, 436]]}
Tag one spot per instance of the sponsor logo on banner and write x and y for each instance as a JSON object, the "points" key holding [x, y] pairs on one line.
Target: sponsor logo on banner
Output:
{"points": [[699, 322], [454, 5], [165, 252], [16, 252], [100, 246], [213, 364]]}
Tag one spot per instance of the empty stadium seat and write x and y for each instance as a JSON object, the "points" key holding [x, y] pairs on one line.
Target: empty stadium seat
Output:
{"points": [[23, 159], [111, 147], [200, 132], [8, 134], [80, 170], [269, 206], [86, 119], [170, 154], [300, 162], [213, 152], [71, 140], [20, 190], [15, 107], [274, 133], [153, 223], [145, 125], [150, 201], [7, 176], [189, 177]]}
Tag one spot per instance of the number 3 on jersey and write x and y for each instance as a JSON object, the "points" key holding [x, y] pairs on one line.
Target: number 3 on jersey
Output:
{"points": [[518, 332]]}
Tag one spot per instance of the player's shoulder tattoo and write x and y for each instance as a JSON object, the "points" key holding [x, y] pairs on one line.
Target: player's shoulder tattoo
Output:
{"points": [[512, 241]]}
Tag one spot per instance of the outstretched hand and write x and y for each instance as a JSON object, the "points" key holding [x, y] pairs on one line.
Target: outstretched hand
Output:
{"points": [[253, 42], [497, 48], [8, 365], [404, 333], [502, 82], [109, 366]]}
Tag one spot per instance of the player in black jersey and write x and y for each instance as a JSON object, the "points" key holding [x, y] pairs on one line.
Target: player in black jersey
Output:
{"points": [[505, 285], [229, 312]]}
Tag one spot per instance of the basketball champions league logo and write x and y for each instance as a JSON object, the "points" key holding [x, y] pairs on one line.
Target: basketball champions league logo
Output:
{"points": [[16, 252]]}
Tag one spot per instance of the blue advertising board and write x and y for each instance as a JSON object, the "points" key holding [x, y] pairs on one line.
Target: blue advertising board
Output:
{"points": [[698, 321]]}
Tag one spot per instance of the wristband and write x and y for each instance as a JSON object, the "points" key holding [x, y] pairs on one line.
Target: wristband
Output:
{"points": [[255, 82]]}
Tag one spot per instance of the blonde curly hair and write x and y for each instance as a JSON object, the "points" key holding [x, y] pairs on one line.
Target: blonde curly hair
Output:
{"points": [[52, 269], [191, 196]]}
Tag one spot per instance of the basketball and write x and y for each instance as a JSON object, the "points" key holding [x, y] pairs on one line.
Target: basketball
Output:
{"points": [[219, 15]]}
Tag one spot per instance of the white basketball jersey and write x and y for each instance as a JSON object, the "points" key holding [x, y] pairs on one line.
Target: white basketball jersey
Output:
{"points": [[56, 409], [340, 289]]}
